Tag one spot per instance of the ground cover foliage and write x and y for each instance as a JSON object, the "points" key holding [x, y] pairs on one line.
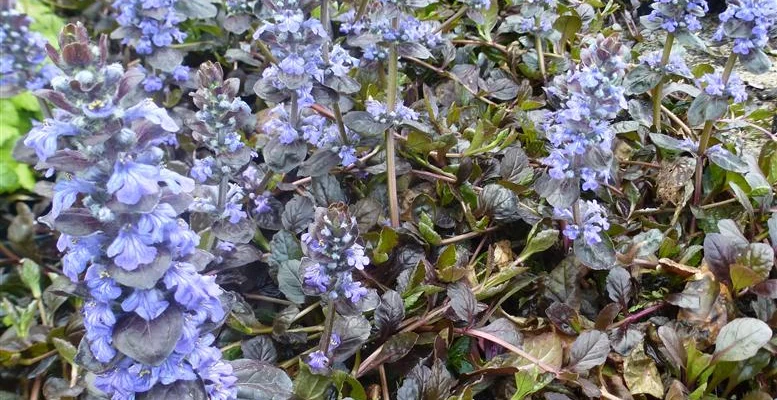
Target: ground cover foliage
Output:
{"points": [[395, 199]]}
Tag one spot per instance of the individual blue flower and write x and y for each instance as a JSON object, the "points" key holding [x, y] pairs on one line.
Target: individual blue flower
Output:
{"points": [[233, 212], [380, 112], [181, 73], [153, 84], [131, 181], [175, 368], [100, 339], [316, 277], [176, 182], [202, 169], [101, 286], [318, 361], [182, 240], [143, 377], [98, 313], [80, 252], [219, 381], [192, 290], [151, 112], [341, 62], [147, 303], [129, 249], [65, 193], [99, 109], [355, 256], [43, 137], [156, 222], [350, 289], [347, 155], [262, 204]]}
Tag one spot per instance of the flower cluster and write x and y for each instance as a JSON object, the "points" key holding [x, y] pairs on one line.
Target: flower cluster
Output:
{"points": [[332, 254], [240, 6], [381, 114], [713, 85], [118, 207], [580, 132], [535, 18], [479, 4], [749, 23], [676, 16], [22, 53], [296, 42], [674, 66], [593, 221], [148, 25], [156, 82], [376, 30]]}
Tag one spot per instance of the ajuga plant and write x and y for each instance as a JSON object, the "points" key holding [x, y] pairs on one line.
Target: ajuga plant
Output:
{"points": [[303, 62], [147, 311], [536, 18], [22, 53], [678, 20], [581, 136], [332, 256], [153, 29], [221, 154]]}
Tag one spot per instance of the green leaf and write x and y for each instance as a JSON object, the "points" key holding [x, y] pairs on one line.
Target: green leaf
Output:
{"points": [[364, 123], [669, 143], [538, 242], [568, 26], [450, 265], [65, 349], [727, 160], [355, 389], [310, 386], [752, 265], [641, 374], [30, 275], [500, 203], [529, 381], [741, 338], [386, 242], [426, 228], [641, 79], [698, 366]]}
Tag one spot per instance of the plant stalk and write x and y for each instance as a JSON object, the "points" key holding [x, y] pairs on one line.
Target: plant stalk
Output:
{"points": [[451, 20], [659, 88], [391, 172], [540, 55], [706, 135], [330, 323]]}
